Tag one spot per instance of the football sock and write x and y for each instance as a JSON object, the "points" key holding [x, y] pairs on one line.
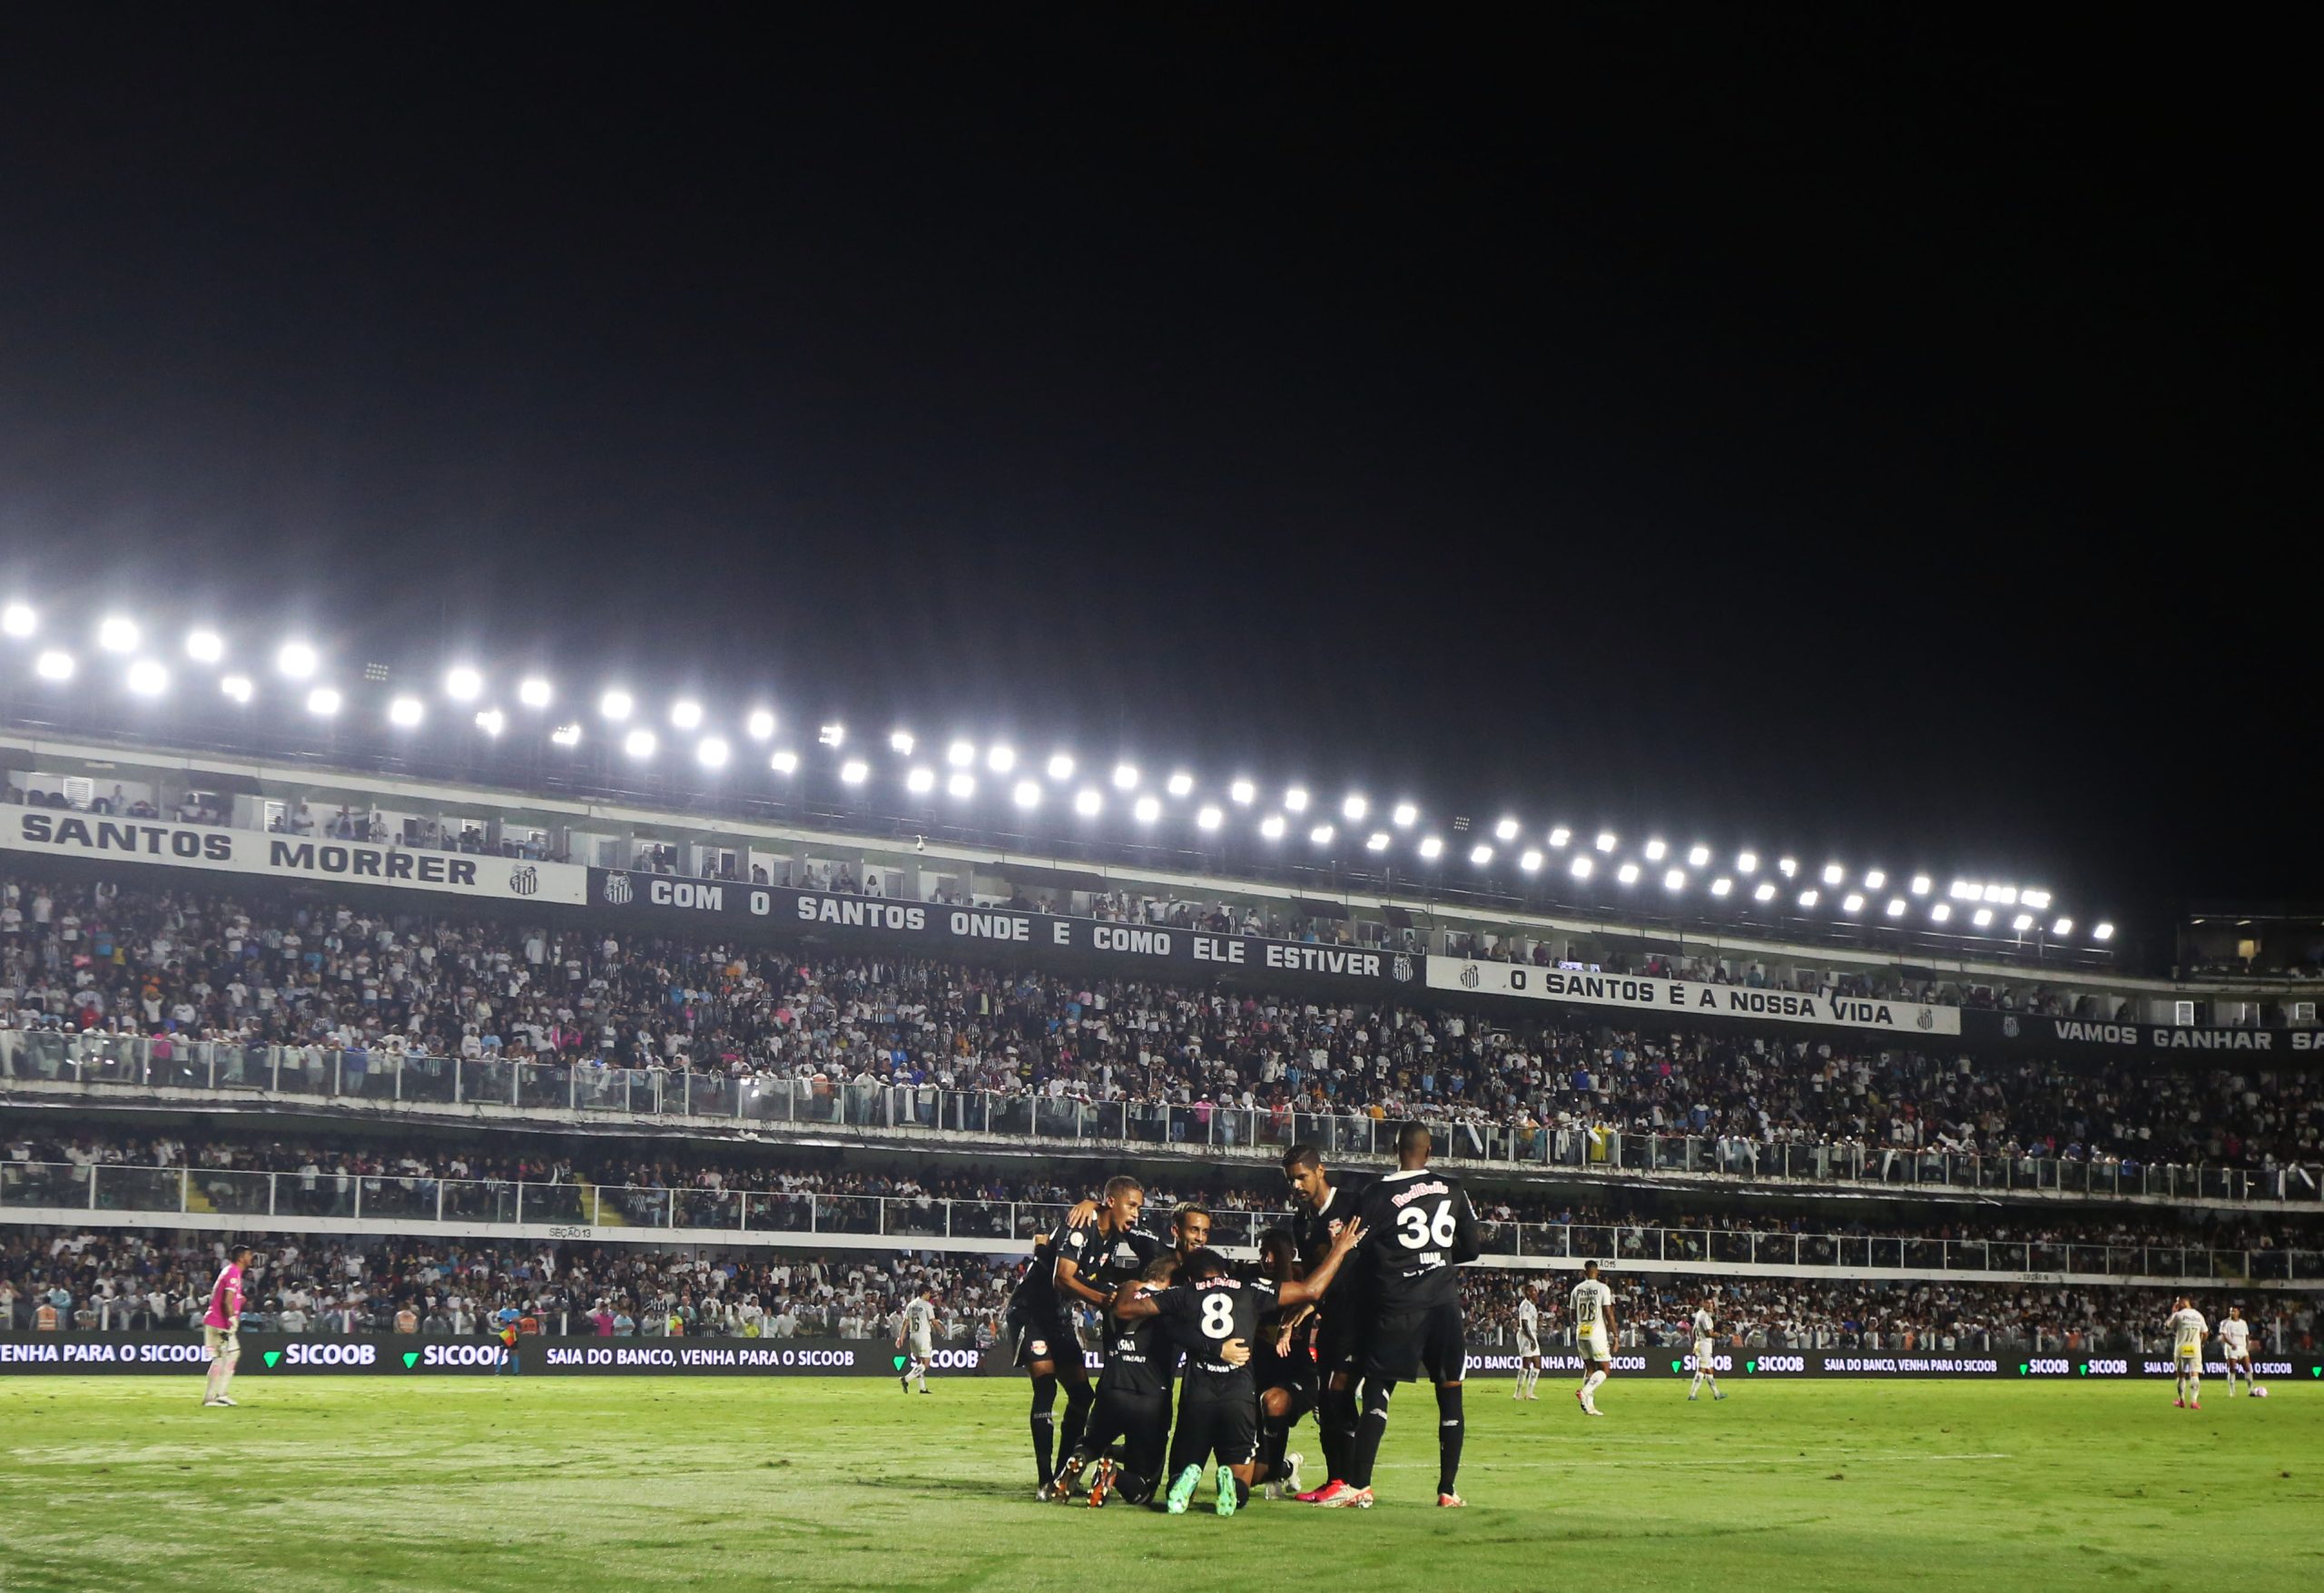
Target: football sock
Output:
{"points": [[1450, 1429], [1336, 1426], [1079, 1398], [1369, 1432], [1044, 1425]]}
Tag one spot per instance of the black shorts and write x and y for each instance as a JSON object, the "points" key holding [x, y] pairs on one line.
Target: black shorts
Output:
{"points": [[1140, 1423], [1413, 1344], [1053, 1342], [1303, 1393], [1228, 1429], [1339, 1340]]}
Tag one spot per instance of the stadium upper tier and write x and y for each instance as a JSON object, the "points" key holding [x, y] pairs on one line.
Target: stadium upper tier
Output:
{"points": [[407, 1003]]}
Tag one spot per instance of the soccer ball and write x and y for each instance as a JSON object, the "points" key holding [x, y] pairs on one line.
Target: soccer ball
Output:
{"points": [[2258, 1392]]}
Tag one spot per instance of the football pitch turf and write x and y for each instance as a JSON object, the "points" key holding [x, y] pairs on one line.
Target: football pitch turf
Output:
{"points": [[489, 1484]]}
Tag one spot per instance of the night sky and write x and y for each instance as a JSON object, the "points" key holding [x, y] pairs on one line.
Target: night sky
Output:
{"points": [[1835, 427]]}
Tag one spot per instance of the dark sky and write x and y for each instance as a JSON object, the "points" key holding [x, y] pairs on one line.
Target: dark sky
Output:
{"points": [[1839, 428]]}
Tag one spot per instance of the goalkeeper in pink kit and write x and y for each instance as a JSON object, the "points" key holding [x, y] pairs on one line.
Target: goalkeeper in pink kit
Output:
{"points": [[222, 1327]]}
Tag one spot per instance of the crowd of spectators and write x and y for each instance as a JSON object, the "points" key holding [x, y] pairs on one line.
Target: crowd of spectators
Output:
{"points": [[192, 964]]}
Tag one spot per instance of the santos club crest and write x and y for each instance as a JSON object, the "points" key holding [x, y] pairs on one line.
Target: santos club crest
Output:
{"points": [[617, 889]]}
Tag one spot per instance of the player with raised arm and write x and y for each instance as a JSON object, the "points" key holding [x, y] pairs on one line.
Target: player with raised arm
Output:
{"points": [[2235, 1346], [1093, 1260], [222, 1327], [1593, 1335], [1133, 1405], [1419, 1228], [1324, 1209], [1209, 1310], [1706, 1370], [916, 1337], [1528, 1343], [2187, 1330], [1045, 1344]]}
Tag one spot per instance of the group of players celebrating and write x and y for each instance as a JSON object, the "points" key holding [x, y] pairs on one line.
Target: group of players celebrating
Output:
{"points": [[1362, 1294]]}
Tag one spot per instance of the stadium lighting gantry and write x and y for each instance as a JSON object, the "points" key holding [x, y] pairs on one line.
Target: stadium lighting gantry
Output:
{"points": [[1922, 885], [1747, 862], [405, 713], [1146, 808], [148, 679], [1697, 856], [1271, 826], [1432, 848], [1296, 800], [1608, 841], [713, 752], [1852, 903], [785, 761], [960, 754], [616, 706], [898, 740], [1028, 794], [1376, 842], [1654, 849], [18, 620], [463, 683], [920, 782], [1406, 814], [297, 660], [686, 714], [1676, 880], [1353, 809], [1060, 766], [1001, 760], [491, 720], [1582, 866], [1209, 817], [854, 771], [205, 646], [1766, 891], [1941, 913], [638, 742], [1126, 779], [1834, 873], [1722, 886], [1087, 803], [833, 735], [2102, 932], [566, 735], [238, 687], [323, 702], [535, 692], [1529, 860], [1505, 830], [961, 785], [1245, 791], [1321, 835], [1808, 898], [1480, 854], [117, 634], [1627, 873], [1180, 783], [1560, 835]]}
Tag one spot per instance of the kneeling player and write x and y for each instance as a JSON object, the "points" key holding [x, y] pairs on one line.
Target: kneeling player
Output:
{"points": [[1283, 1367], [1209, 1310], [1593, 1335], [1133, 1406], [2235, 1345]]}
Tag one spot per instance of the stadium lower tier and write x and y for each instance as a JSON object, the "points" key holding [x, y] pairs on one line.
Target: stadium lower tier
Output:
{"points": [[63, 1285]]}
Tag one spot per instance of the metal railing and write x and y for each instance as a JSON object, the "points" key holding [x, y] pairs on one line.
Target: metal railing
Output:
{"points": [[392, 1200], [566, 1091]]}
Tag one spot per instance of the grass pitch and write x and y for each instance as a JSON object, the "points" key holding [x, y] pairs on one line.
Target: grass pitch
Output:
{"points": [[320, 1483]]}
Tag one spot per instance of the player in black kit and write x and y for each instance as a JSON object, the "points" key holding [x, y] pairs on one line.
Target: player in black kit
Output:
{"points": [[1047, 1347], [1207, 1311], [1419, 1229], [1133, 1406], [1324, 1209], [1282, 1365], [1093, 1260]]}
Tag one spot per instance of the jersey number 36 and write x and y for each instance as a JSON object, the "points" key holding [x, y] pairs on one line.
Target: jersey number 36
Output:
{"points": [[1416, 1230]]}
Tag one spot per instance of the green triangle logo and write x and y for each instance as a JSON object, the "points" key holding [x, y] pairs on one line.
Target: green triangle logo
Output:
{"points": [[900, 1362], [411, 1359], [271, 1357]]}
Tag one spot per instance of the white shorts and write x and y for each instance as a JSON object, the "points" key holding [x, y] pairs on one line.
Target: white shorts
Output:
{"points": [[919, 1348], [1702, 1355], [1591, 1341], [221, 1341], [1527, 1348]]}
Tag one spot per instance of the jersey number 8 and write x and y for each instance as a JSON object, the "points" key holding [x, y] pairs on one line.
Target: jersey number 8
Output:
{"points": [[1217, 1316], [1414, 1230]]}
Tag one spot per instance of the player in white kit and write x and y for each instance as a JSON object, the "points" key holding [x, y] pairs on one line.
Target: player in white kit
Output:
{"points": [[1705, 1326], [2235, 1345], [915, 1336], [2187, 1330], [1593, 1335], [1529, 1343]]}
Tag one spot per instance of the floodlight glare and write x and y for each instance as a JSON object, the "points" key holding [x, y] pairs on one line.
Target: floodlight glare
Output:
{"points": [[1676, 880], [1028, 794], [2022, 923], [1722, 886], [785, 761], [1529, 860], [463, 685], [566, 735], [1432, 848], [1607, 841], [898, 740], [1834, 873], [297, 660], [616, 705], [854, 771], [1208, 818], [1765, 892], [1698, 855], [535, 692], [1353, 809], [1982, 917], [1627, 873], [961, 785], [2039, 901], [1481, 854], [1963, 890], [1922, 885], [1320, 836], [1244, 791], [1405, 815], [1087, 803], [833, 735], [205, 646], [1582, 867], [492, 721], [18, 620], [322, 701], [2063, 927], [960, 754], [1271, 826], [1895, 907], [1060, 766], [1852, 903], [1180, 784], [1126, 777], [1808, 898], [920, 782], [237, 686], [117, 635], [686, 714], [1376, 842], [405, 713], [1654, 850], [1788, 866], [2102, 932], [148, 679], [713, 752], [1505, 830], [638, 743], [1560, 835], [1747, 862], [1146, 808], [1940, 913], [1295, 799], [1001, 760], [1874, 880]]}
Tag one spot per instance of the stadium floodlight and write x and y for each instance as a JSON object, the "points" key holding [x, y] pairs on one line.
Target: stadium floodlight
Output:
{"points": [[1210, 818], [1505, 830], [638, 742], [463, 683], [1747, 862], [297, 660], [1376, 842], [960, 754], [1432, 848], [1895, 907], [2022, 923], [1627, 873], [1480, 854], [492, 721], [1295, 799], [1766, 891], [1320, 836], [1608, 841], [1654, 848], [1560, 835], [1834, 873], [1028, 794], [2004, 895], [1180, 783], [566, 735], [1676, 880], [1982, 917], [2063, 926], [148, 679], [1722, 886], [900, 742], [322, 701], [1964, 890], [2039, 901], [18, 620], [961, 785], [205, 646], [1244, 791], [1940, 913], [920, 782], [535, 693], [2102, 932], [1788, 867], [1922, 884], [1697, 856], [686, 714], [1582, 866], [117, 634], [854, 771], [1811, 897], [713, 752], [1851, 903], [1271, 826], [785, 761], [1001, 760], [1404, 816], [1146, 810], [1087, 804], [405, 713], [237, 686], [1874, 880], [833, 735], [1126, 777], [1529, 860], [1060, 766], [616, 706]]}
